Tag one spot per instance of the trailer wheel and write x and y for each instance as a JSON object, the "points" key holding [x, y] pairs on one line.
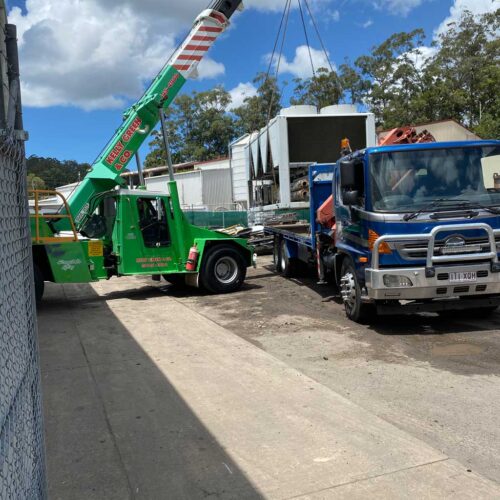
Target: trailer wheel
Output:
{"points": [[286, 266], [350, 290], [39, 284], [276, 254], [223, 270]]}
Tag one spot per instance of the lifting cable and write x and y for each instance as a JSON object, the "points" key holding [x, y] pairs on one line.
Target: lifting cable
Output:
{"points": [[308, 45], [318, 34], [283, 27]]}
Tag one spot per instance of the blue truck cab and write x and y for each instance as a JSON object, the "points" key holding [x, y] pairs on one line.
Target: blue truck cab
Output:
{"points": [[414, 228]]}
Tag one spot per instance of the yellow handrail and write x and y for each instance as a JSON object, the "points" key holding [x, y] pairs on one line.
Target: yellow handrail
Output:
{"points": [[37, 216]]}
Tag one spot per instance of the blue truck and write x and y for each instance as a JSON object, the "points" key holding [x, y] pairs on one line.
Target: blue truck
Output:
{"points": [[413, 228]]}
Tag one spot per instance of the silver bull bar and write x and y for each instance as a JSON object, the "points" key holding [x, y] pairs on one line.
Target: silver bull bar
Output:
{"points": [[431, 239]]}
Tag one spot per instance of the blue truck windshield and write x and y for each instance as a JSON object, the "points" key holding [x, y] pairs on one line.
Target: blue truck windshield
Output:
{"points": [[412, 180]]}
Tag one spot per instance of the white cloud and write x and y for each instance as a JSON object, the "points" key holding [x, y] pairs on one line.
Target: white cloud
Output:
{"points": [[333, 15], [367, 24], [240, 93], [475, 6], [398, 7], [300, 66], [96, 54], [208, 68], [420, 55]]}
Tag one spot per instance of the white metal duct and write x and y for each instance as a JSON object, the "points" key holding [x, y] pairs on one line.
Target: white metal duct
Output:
{"points": [[254, 150], [263, 142], [274, 141], [240, 170]]}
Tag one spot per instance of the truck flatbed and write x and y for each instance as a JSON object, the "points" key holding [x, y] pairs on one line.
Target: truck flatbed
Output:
{"points": [[299, 233]]}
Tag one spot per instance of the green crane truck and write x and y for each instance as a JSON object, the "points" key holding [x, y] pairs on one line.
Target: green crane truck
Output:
{"points": [[105, 230]]}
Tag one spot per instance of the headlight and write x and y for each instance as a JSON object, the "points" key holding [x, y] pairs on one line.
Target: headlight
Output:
{"points": [[254, 260], [396, 281]]}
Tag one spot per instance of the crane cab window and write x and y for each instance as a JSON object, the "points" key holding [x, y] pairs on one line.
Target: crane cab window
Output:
{"points": [[153, 222]]}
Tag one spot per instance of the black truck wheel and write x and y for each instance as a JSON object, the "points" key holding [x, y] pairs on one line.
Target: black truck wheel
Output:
{"points": [[39, 284], [350, 290], [276, 254], [285, 265], [223, 270]]}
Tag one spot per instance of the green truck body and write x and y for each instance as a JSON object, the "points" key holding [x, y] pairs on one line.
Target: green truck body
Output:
{"points": [[107, 230]]}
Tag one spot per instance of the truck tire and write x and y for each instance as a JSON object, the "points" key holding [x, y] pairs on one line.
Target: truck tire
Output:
{"points": [[276, 254], [350, 291], [223, 270], [286, 266], [39, 284]]}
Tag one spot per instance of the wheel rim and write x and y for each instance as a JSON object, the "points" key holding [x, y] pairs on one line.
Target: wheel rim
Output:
{"points": [[283, 258], [226, 270], [348, 291]]}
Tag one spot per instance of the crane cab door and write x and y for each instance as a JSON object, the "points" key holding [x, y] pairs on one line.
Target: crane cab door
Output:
{"points": [[145, 235]]}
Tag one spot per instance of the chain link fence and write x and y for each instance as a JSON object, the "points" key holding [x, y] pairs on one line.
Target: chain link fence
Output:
{"points": [[22, 468], [22, 460]]}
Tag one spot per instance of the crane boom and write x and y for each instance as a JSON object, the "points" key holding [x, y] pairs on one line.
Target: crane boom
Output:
{"points": [[142, 117]]}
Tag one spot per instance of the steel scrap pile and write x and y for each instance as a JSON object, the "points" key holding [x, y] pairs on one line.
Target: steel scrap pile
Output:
{"points": [[262, 243]]}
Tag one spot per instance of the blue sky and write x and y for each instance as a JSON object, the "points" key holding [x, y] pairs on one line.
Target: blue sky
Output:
{"points": [[80, 70]]}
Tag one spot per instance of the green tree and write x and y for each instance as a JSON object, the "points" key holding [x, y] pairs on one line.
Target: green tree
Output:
{"points": [[391, 79], [463, 78], [35, 182], [257, 110], [322, 89], [199, 128], [54, 172], [353, 85]]}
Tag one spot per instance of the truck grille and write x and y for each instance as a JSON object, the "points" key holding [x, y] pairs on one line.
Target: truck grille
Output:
{"points": [[417, 250]]}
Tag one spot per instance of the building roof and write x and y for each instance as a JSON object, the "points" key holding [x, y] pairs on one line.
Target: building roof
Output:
{"points": [[178, 167]]}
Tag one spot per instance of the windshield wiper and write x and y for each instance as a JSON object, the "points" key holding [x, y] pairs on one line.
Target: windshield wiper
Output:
{"points": [[427, 208], [455, 203], [475, 204]]}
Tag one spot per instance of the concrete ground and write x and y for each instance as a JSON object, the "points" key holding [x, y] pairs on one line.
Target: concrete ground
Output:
{"points": [[153, 392]]}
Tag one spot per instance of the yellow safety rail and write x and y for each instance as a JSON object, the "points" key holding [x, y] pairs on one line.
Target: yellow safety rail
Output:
{"points": [[37, 216]]}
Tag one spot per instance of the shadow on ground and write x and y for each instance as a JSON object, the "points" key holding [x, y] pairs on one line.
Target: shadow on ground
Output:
{"points": [[116, 427], [402, 324]]}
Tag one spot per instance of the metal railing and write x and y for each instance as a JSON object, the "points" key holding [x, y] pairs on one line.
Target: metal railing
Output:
{"points": [[38, 215]]}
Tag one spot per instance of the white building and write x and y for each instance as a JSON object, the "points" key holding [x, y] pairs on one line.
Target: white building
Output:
{"points": [[206, 187]]}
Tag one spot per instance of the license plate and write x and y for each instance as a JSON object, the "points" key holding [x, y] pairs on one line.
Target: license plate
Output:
{"points": [[463, 277]]}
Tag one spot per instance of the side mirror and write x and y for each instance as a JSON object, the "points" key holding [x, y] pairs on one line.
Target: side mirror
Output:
{"points": [[347, 174], [350, 198]]}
